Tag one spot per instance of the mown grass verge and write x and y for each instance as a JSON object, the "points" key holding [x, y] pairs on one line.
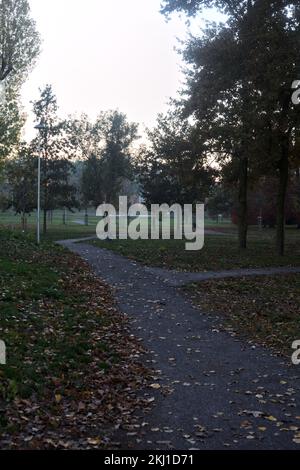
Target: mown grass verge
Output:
{"points": [[219, 252]]}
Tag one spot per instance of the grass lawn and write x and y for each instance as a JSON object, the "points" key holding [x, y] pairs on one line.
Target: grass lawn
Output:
{"points": [[72, 368], [9, 217], [55, 231], [262, 309], [64, 232], [76, 217], [219, 252], [75, 224]]}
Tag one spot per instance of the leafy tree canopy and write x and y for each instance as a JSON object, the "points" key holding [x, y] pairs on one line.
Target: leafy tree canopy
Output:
{"points": [[57, 149], [19, 40], [174, 169]]}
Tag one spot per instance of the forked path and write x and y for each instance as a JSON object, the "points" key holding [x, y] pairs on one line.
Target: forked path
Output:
{"points": [[216, 392]]}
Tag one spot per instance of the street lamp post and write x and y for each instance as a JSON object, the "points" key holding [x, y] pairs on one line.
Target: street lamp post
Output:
{"points": [[39, 127]]}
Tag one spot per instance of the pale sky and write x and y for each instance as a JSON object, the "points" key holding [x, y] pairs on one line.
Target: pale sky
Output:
{"points": [[106, 54]]}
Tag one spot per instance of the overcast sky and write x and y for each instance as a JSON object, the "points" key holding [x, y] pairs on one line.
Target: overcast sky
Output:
{"points": [[106, 54]]}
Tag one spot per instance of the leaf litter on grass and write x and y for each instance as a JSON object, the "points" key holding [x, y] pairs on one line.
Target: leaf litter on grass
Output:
{"points": [[74, 371]]}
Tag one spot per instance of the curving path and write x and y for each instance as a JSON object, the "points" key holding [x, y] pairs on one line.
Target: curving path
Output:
{"points": [[211, 390]]}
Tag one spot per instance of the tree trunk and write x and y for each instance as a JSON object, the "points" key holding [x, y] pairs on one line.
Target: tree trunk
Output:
{"points": [[242, 203], [298, 193], [23, 218], [45, 221], [281, 197]]}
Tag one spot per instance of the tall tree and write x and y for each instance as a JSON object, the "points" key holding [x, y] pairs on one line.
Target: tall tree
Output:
{"points": [[57, 149], [11, 123], [21, 175], [220, 98], [174, 167], [19, 40], [109, 157], [84, 137], [19, 48], [265, 40], [276, 41], [118, 135], [217, 87], [92, 182]]}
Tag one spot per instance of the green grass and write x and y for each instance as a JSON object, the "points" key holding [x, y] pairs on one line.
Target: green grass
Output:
{"points": [[219, 252], [64, 232], [33, 299], [66, 344], [55, 231], [74, 227], [263, 309], [73, 219], [9, 217]]}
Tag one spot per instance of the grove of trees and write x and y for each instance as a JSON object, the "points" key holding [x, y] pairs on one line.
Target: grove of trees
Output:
{"points": [[238, 91], [231, 138]]}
